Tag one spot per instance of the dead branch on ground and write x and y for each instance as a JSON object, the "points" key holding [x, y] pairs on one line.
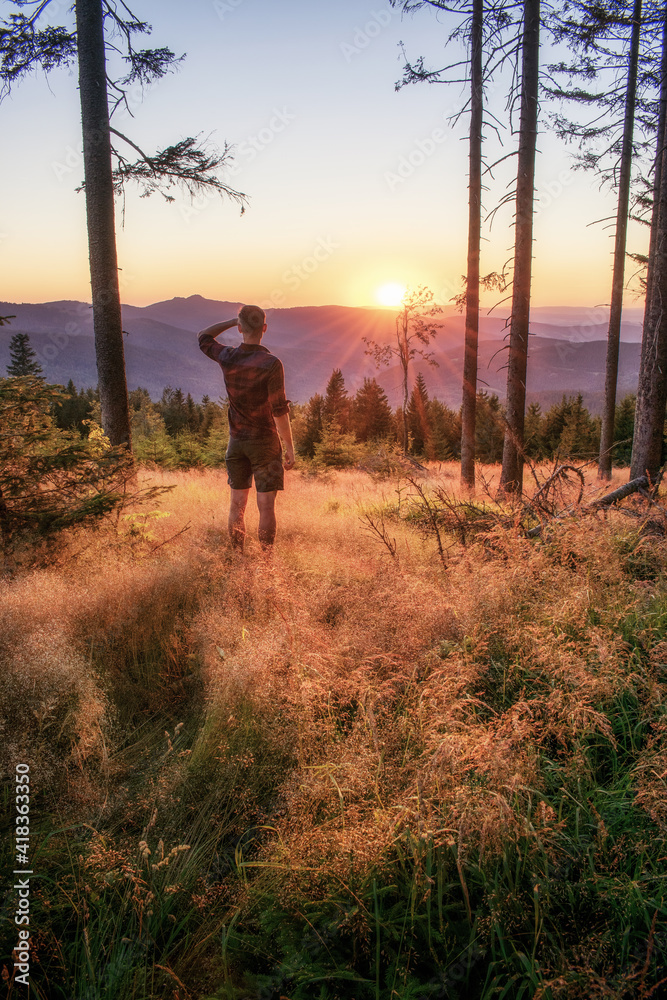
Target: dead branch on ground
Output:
{"points": [[377, 527]]}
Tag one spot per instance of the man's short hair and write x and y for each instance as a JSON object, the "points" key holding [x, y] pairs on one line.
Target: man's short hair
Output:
{"points": [[252, 319]]}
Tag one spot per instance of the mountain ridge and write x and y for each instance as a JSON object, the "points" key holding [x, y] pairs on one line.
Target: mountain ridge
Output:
{"points": [[161, 348]]}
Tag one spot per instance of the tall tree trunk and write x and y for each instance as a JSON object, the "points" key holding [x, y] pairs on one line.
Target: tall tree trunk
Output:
{"points": [[405, 361], [474, 234], [101, 224], [657, 175], [652, 386], [511, 477], [614, 335]]}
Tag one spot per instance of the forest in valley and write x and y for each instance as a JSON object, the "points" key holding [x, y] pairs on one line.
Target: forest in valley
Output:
{"points": [[417, 750], [337, 428]]}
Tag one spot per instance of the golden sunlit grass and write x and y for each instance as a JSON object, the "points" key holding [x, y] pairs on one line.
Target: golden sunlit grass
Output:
{"points": [[340, 721]]}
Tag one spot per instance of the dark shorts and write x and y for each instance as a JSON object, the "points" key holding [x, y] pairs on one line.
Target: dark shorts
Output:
{"points": [[262, 459]]}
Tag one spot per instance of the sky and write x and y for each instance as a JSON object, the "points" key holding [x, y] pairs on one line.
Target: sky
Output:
{"points": [[351, 185]]}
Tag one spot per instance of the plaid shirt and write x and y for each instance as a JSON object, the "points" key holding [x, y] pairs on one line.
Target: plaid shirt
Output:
{"points": [[255, 384]]}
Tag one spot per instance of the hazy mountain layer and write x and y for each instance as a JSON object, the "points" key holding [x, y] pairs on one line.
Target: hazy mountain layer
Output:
{"points": [[567, 352]]}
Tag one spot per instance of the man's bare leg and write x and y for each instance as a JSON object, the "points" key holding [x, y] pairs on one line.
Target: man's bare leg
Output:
{"points": [[236, 523], [267, 519]]}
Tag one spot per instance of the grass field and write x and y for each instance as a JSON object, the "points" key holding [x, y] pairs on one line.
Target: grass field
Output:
{"points": [[338, 772]]}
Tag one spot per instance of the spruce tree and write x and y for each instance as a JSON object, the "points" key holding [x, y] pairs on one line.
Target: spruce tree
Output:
{"points": [[73, 410], [569, 431], [173, 409], [418, 421], [445, 427], [533, 444], [211, 416], [313, 420], [624, 426], [194, 414], [553, 424], [336, 401], [371, 414], [23, 358], [489, 428], [337, 448], [581, 435], [51, 479]]}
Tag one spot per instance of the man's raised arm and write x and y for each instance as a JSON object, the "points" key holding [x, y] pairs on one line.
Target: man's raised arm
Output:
{"points": [[283, 427], [218, 328], [207, 341]]}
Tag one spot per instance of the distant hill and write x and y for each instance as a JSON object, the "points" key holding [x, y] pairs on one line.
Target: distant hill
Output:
{"points": [[567, 352]]}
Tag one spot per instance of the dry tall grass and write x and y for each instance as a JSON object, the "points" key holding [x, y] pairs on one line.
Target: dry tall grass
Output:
{"points": [[345, 698]]}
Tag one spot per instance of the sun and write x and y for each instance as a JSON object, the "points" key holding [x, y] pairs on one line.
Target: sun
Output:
{"points": [[390, 294]]}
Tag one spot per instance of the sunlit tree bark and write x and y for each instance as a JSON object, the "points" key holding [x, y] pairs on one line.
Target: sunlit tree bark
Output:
{"points": [[99, 189], [511, 478], [468, 406], [620, 241], [647, 444]]}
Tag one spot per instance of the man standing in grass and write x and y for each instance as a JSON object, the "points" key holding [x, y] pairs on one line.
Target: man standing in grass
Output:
{"points": [[258, 419]]}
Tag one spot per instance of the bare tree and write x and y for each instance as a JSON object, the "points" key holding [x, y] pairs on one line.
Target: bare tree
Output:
{"points": [[483, 27], [620, 241], [24, 47], [511, 477], [594, 32], [613, 45], [470, 350], [414, 326]]}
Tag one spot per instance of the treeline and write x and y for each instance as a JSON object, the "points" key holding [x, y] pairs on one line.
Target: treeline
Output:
{"points": [[329, 427], [338, 428], [174, 432]]}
